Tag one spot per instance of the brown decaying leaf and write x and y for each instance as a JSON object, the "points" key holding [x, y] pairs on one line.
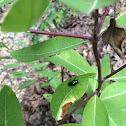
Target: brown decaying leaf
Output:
{"points": [[66, 108], [115, 36]]}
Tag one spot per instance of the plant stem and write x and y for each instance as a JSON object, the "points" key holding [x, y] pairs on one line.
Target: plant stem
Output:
{"points": [[102, 21], [39, 79], [77, 108], [61, 34], [95, 43], [108, 76], [29, 70], [96, 25], [62, 73], [32, 73]]}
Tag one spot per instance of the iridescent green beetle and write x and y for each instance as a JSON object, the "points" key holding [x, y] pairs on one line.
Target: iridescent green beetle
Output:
{"points": [[73, 83]]}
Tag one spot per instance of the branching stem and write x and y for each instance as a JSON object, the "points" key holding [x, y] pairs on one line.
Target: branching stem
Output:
{"points": [[102, 21]]}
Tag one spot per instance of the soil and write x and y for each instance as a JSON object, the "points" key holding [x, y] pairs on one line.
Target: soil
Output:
{"points": [[36, 109]]}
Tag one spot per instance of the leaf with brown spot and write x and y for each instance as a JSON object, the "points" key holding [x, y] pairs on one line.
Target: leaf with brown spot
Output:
{"points": [[65, 96], [66, 108], [115, 36]]}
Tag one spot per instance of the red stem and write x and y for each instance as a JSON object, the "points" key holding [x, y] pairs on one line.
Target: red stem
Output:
{"points": [[95, 45], [36, 76], [108, 76], [32, 73], [102, 21], [61, 34], [95, 40]]}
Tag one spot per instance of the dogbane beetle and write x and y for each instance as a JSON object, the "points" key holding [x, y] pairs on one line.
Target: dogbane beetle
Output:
{"points": [[73, 83]]}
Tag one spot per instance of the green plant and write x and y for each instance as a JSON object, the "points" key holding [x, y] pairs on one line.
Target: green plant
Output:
{"points": [[105, 102], [54, 15]]}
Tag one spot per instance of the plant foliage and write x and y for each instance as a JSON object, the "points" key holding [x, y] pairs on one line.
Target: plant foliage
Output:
{"points": [[104, 92]]}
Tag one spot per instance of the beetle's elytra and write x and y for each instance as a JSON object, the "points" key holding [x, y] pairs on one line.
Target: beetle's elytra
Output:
{"points": [[73, 83]]}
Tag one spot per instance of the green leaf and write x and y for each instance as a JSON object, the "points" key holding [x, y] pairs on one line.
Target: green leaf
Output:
{"points": [[72, 61], [93, 82], [105, 66], [10, 109], [19, 72], [89, 90], [47, 48], [95, 113], [21, 75], [6, 57], [3, 45], [61, 104], [53, 80], [35, 39], [47, 84], [104, 85], [48, 97], [87, 6], [49, 74], [116, 116], [121, 22], [24, 14], [105, 24], [52, 15], [39, 65], [3, 2], [41, 71], [114, 97], [20, 43], [30, 34], [31, 62], [55, 23], [80, 110], [115, 94], [120, 76], [41, 28], [27, 84], [12, 65]]}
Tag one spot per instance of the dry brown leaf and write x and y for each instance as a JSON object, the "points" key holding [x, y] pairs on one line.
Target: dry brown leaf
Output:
{"points": [[120, 10], [115, 36], [65, 109]]}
